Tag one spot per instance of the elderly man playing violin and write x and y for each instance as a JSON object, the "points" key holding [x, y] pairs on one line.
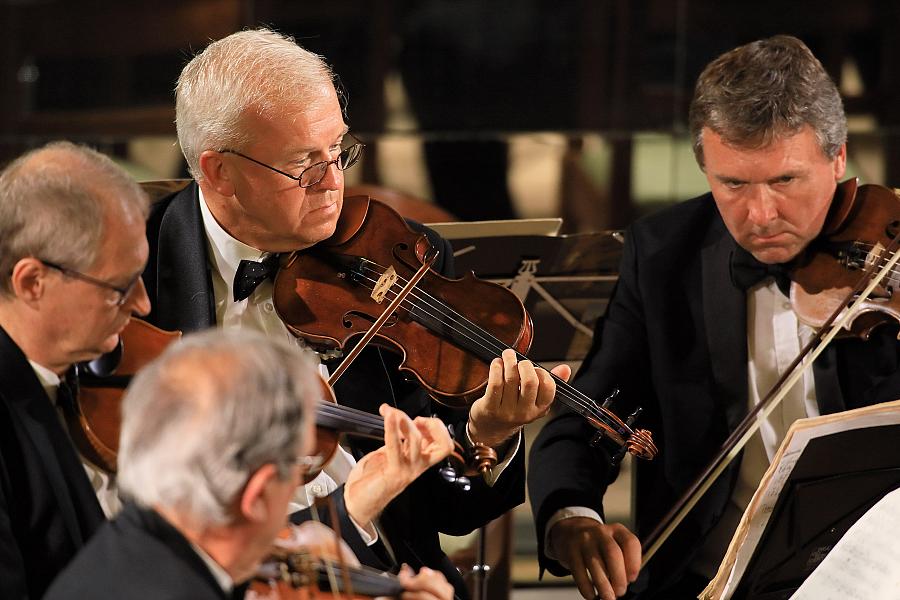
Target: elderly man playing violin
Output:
{"points": [[261, 126], [208, 475], [72, 249], [700, 328]]}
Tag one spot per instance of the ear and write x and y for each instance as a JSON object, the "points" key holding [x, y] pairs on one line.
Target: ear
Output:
{"points": [[29, 280], [216, 172], [840, 163], [254, 505]]}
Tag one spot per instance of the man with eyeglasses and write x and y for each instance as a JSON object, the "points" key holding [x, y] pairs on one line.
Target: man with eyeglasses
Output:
{"points": [[72, 249], [262, 128], [208, 476]]}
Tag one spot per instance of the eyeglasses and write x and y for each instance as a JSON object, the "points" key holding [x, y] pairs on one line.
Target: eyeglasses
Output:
{"points": [[121, 293], [307, 463], [315, 173]]}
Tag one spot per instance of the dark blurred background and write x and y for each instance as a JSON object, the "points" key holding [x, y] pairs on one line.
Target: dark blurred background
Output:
{"points": [[466, 79]]}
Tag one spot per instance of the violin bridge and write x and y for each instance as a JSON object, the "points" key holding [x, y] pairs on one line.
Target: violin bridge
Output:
{"points": [[384, 284]]}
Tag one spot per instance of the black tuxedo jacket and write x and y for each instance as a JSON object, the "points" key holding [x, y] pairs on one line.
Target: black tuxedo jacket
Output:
{"points": [[48, 509], [180, 288], [674, 341], [137, 555]]}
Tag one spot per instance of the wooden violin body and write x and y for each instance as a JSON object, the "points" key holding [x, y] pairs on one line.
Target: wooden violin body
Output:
{"points": [[438, 346], [309, 562], [97, 420], [861, 224]]}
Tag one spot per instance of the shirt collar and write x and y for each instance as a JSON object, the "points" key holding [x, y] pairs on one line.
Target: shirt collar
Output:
{"points": [[226, 252], [218, 572], [49, 380]]}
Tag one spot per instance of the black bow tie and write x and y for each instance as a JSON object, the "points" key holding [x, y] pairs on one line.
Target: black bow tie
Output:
{"points": [[747, 271], [251, 273]]}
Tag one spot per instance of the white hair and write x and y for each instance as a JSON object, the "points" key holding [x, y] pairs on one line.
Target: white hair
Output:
{"points": [[53, 204], [202, 418], [250, 72]]}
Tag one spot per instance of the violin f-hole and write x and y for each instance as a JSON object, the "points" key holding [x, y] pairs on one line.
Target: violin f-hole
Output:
{"points": [[348, 320]]}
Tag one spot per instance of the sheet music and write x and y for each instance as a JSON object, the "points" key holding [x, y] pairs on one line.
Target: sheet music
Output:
{"points": [[756, 517], [865, 563]]}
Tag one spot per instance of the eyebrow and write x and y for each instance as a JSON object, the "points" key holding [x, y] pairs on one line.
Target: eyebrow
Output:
{"points": [[730, 179], [307, 150]]}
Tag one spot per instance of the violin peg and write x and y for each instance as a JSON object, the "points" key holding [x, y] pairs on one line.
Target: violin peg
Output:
{"points": [[448, 473], [608, 401], [634, 416]]}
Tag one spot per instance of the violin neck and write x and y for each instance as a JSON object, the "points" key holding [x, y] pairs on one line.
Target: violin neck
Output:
{"points": [[363, 581], [348, 420]]}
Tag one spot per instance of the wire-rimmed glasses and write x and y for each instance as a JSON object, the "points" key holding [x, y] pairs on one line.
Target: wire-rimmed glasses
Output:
{"points": [[315, 173]]}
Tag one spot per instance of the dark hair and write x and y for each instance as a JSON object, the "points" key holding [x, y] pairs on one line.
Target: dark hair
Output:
{"points": [[766, 89]]}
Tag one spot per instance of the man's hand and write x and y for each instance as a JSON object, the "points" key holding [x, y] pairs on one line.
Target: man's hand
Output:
{"points": [[410, 447], [428, 584], [603, 559], [517, 393]]}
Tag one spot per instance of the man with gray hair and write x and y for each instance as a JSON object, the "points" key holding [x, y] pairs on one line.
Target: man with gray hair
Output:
{"points": [[216, 436], [72, 248], [262, 128], [700, 328]]}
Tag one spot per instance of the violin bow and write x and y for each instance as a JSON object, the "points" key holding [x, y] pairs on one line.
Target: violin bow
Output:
{"points": [[751, 423]]}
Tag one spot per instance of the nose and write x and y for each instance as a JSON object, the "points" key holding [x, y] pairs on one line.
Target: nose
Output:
{"points": [[333, 179], [139, 302], [762, 207]]}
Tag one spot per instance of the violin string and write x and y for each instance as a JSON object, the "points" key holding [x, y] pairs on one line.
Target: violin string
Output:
{"points": [[881, 261], [478, 336], [494, 346], [355, 416]]}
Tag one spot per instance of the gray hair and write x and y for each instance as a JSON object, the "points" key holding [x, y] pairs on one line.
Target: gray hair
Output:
{"points": [[53, 204], [764, 90], [204, 416], [257, 71]]}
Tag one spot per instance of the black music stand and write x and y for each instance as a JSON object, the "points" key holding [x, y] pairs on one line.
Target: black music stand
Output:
{"points": [[564, 281], [835, 481]]}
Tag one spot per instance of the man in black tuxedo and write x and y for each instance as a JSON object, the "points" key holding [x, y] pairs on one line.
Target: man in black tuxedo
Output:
{"points": [[699, 329], [208, 476], [261, 127], [72, 248]]}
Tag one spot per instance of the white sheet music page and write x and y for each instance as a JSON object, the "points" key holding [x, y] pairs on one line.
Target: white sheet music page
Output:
{"points": [[865, 563], [756, 517]]}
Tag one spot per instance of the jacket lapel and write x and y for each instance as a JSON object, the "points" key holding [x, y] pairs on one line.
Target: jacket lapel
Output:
{"points": [[725, 316], [30, 406], [184, 298]]}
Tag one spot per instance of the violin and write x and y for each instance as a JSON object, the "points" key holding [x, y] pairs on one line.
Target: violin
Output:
{"points": [[446, 330], [95, 422], [96, 419], [309, 561], [333, 419], [861, 224]]}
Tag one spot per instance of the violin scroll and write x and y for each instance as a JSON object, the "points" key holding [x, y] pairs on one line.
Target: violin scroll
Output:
{"points": [[626, 439]]}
